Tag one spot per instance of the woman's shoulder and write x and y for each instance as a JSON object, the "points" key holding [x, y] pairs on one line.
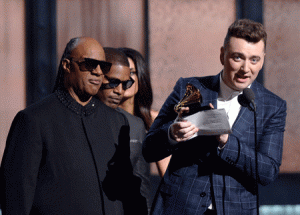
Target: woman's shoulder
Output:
{"points": [[153, 114]]}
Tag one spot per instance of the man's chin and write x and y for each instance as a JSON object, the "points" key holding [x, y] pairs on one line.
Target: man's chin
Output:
{"points": [[92, 92], [112, 105], [241, 86]]}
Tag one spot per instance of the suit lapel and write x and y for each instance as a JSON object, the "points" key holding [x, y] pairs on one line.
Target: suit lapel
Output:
{"points": [[209, 96], [209, 90], [244, 119], [245, 116]]}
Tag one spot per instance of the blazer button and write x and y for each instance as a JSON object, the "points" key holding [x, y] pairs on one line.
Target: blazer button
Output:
{"points": [[202, 194]]}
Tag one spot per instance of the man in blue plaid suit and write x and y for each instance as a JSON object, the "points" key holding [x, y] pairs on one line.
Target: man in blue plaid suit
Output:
{"points": [[217, 174]]}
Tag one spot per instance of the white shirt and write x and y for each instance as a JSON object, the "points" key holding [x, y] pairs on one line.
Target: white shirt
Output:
{"points": [[227, 99]]}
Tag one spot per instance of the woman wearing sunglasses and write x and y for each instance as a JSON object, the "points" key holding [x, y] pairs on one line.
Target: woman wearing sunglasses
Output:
{"points": [[138, 99]]}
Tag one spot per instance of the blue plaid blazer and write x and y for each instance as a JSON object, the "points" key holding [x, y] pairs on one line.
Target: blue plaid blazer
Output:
{"points": [[198, 172]]}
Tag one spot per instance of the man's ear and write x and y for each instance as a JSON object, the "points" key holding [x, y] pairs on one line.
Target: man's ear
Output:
{"points": [[262, 61], [222, 55], [66, 64]]}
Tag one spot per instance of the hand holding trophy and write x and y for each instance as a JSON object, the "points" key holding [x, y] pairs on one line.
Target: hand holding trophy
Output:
{"points": [[206, 121], [182, 130], [192, 95]]}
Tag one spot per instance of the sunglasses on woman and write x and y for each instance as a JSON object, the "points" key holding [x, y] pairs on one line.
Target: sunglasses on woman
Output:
{"points": [[114, 82], [90, 64]]}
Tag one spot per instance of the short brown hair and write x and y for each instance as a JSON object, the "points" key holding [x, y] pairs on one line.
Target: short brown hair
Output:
{"points": [[248, 30]]}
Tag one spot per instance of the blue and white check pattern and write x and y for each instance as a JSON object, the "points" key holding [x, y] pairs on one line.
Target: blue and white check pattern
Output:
{"points": [[198, 172]]}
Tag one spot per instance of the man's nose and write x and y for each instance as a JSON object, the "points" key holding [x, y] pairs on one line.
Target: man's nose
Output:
{"points": [[246, 66], [119, 89], [97, 71]]}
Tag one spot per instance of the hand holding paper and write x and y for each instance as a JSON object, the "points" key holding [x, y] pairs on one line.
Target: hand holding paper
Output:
{"points": [[205, 122], [210, 122]]}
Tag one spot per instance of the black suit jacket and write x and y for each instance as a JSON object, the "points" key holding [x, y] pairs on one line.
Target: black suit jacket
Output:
{"points": [[63, 158]]}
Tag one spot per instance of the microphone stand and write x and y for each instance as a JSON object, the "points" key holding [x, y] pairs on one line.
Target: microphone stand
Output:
{"points": [[256, 162], [246, 99], [256, 159]]}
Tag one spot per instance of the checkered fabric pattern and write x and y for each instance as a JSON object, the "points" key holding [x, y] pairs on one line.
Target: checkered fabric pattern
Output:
{"points": [[199, 173]]}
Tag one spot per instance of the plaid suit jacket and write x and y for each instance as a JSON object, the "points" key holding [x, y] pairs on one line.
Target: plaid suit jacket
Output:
{"points": [[198, 172]]}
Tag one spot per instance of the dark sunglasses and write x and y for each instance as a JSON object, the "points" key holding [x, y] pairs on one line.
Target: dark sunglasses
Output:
{"points": [[90, 64], [113, 83]]}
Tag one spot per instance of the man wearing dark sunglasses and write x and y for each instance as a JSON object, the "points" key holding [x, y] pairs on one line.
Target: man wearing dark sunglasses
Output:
{"points": [[69, 153], [112, 90], [117, 80], [89, 64]]}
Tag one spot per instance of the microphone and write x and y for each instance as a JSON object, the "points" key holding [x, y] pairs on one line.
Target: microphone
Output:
{"points": [[247, 99]]}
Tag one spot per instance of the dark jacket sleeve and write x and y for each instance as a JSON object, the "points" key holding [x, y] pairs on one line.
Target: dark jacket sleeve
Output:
{"points": [[156, 145], [120, 180], [119, 166], [20, 165], [142, 168]]}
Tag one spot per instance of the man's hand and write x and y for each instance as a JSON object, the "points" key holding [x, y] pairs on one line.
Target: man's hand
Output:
{"points": [[182, 130], [223, 138]]}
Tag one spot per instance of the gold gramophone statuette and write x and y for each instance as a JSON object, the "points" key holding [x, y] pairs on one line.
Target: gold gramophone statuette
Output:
{"points": [[192, 95]]}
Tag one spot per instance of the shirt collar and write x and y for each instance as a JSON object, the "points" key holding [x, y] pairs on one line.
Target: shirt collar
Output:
{"points": [[64, 96]]}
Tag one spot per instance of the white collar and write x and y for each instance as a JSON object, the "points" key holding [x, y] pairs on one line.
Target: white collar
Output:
{"points": [[225, 92]]}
